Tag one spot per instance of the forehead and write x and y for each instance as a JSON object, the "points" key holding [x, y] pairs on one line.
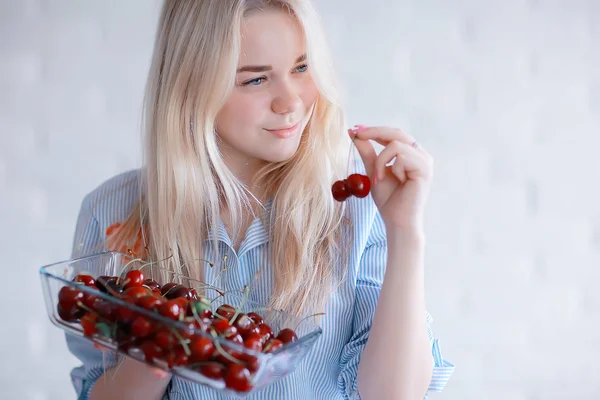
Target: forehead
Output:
{"points": [[271, 37]]}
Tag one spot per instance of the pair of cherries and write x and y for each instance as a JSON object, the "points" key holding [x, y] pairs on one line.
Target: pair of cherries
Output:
{"points": [[355, 185]]}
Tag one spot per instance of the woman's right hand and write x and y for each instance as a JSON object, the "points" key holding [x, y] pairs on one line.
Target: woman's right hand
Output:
{"points": [[159, 373], [131, 379]]}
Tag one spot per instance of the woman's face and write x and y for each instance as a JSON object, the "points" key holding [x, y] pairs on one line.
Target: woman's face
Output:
{"points": [[274, 94]]}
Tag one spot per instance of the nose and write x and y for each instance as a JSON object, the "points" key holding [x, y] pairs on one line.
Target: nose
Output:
{"points": [[287, 100]]}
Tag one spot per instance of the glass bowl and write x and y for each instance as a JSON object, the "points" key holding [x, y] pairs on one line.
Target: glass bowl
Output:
{"points": [[192, 344]]}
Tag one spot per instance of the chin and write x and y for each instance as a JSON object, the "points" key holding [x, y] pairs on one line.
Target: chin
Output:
{"points": [[280, 155]]}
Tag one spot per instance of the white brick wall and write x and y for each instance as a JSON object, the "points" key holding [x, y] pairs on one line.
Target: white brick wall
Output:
{"points": [[505, 94]]}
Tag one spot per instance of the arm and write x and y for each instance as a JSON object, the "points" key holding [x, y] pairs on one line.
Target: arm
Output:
{"points": [[397, 361], [100, 377]]}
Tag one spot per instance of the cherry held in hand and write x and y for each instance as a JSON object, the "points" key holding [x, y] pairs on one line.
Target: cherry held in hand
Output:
{"points": [[355, 185]]}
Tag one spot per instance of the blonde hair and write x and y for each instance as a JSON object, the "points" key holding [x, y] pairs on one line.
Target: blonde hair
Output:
{"points": [[185, 179]]}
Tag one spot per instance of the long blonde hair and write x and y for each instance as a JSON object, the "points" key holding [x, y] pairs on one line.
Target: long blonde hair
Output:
{"points": [[185, 179]]}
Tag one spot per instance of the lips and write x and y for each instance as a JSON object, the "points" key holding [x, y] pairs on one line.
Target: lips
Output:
{"points": [[285, 132], [287, 128]]}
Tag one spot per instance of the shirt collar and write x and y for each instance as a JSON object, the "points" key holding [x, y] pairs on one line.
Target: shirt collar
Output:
{"points": [[256, 234]]}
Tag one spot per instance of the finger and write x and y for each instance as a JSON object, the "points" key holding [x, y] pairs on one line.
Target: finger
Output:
{"points": [[366, 151], [383, 134], [387, 155], [409, 163]]}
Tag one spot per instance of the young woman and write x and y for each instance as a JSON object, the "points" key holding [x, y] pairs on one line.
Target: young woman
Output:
{"points": [[245, 136]]}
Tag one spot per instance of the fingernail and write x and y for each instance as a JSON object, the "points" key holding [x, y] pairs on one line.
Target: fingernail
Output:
{"points": [[358, 128], [375, 179]]}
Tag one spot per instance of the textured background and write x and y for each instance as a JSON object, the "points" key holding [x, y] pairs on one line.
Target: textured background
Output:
{"points": [[505, 94]]}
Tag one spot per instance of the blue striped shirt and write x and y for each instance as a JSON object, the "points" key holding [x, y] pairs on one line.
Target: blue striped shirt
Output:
{"points": [[329, 371]]}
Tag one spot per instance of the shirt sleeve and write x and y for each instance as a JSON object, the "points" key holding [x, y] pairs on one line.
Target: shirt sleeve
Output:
{"points": [[87, 240], [369, 280]]}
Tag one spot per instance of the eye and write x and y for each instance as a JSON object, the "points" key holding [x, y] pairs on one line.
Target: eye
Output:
{"points": [[254, 82], [301, 68]]}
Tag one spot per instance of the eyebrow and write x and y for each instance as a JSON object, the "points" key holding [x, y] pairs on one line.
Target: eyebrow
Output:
{"points": [[264, 68]]}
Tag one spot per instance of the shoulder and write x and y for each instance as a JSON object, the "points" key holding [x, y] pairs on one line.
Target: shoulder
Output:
{"points": [[114, 199]]}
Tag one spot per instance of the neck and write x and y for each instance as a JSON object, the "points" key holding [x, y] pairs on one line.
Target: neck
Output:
{"points": [[245, 169]]}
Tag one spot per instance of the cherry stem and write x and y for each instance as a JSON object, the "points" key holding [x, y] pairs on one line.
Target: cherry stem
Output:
{"points": [[155, 262], [242, 303], [221, 271], [220, 317], [182, 341], [86, 308], [307, 317], [196, 316], [268, 347], [221, 350], [222, 294], [350, 153], [127, 265]]}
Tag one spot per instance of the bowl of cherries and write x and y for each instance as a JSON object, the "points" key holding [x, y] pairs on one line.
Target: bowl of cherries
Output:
{"points": [[183, 326]]}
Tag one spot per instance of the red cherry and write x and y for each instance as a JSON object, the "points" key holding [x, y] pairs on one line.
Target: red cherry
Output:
{"points": [[151, 350], [189, 330], [201, 348], [134, 278], [150, 302], [177, 291], [170, 309], [219, 355], [213, 370], [253, 341], [183, 303], [151, 284], [177, 357], [89, 299], [272, 345], [71, 315], [124, 314], [252, 362], [141, 327], [237, 378], [102, 282], [243, 323], [226, 311], [257, 319], [223, 327], [265, 332], [358, 185], [287, 336], [340, 191], [87, 280], [104, 308], [135, 292], [167, 287], [88, 323], [68, 297], [236, 338], [200, 307], [165, 339]]}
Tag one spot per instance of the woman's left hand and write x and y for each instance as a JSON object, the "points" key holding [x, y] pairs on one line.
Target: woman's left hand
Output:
{"points": [[400, 190]]}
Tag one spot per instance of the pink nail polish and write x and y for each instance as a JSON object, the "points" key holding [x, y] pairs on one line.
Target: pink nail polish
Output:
{"points": [[359, 128]]}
